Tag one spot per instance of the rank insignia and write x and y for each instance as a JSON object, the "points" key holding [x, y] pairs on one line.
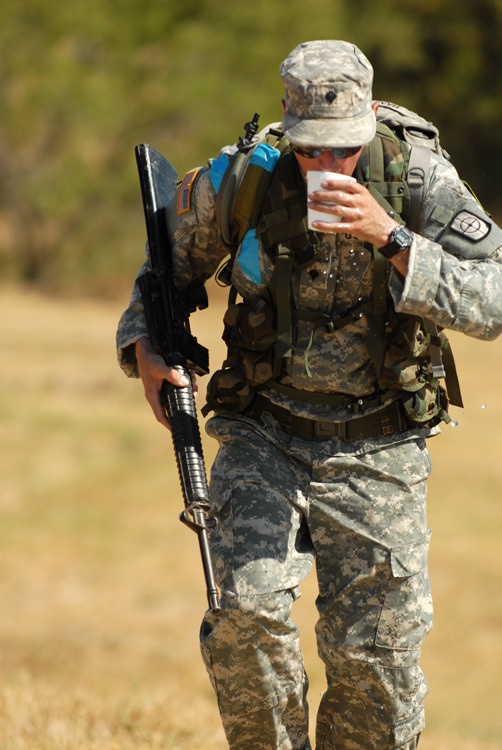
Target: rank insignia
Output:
{"points": [[185, 191], [470, 226]]}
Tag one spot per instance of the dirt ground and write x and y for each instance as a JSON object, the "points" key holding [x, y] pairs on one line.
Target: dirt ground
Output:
{"points": [[101, 589]]}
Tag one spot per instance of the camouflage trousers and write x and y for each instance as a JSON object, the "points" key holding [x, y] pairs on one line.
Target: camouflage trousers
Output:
{"points": [[358, 510]]}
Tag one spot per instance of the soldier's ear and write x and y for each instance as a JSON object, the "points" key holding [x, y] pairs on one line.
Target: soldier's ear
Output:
{"points": [[283, 102]]}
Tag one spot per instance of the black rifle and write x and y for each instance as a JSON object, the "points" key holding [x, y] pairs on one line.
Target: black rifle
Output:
{"points": [[167, 312]]}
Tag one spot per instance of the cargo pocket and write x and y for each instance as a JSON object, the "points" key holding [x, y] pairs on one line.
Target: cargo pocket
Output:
{"points": [[406, 616], [258, 544]]}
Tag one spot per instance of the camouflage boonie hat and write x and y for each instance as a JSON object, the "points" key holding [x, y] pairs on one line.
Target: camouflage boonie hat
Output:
{"points": [[328, 95]]}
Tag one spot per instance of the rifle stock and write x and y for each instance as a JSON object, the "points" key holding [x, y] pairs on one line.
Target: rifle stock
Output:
{"points": [[167, 314]]}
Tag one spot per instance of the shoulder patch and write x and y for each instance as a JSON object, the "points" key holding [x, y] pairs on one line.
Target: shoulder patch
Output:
{"points": [[470, 226], [185, 191]]}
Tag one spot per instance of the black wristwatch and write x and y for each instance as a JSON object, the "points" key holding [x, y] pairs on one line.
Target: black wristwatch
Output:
{"points": [[399, 239]]}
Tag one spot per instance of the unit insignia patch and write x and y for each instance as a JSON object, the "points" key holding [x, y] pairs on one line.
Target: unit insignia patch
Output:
{"points": [[185, 191], [470, 226]]}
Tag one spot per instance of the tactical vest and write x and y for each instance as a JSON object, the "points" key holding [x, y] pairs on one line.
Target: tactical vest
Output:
{"points": [[409, 354]]}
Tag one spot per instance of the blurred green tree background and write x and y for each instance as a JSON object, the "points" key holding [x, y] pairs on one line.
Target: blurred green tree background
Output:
{"points": [[83, 82]]}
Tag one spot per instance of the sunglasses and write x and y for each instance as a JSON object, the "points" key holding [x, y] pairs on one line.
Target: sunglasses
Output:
{"points": [[336, 153]]}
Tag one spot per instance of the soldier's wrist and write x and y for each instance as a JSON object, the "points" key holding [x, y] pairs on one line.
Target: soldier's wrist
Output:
{"points": [[399, 240], [387, 230]]}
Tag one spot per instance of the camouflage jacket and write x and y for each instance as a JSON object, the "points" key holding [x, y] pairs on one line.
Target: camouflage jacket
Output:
{"points": [[454, 279]]}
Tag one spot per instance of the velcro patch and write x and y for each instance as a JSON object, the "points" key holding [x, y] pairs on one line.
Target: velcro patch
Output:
{"points": [[185, 191], [470, 226]]}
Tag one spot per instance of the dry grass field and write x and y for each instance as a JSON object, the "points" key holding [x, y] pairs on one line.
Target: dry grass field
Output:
{"points": [[100, 585]]}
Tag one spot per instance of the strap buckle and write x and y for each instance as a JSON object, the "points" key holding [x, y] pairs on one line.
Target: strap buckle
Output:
{"points": [[387, 425], [329, 429]]}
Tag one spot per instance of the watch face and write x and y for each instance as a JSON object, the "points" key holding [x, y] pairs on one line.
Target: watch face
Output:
{"points": [[402, 237]]}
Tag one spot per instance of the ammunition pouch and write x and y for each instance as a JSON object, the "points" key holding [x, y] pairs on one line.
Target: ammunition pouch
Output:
{"points": [[229, 390], [250, 334], [406, 356], [427, 406], [411, 350]]}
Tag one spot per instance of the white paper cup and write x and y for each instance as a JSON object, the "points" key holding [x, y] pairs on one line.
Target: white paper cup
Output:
{"points": [[314, 180]]}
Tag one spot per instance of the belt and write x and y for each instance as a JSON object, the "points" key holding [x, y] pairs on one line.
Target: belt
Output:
{"points": [[385, 421]]}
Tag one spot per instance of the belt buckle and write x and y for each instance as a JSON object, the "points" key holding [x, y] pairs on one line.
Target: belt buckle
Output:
{"points": [[286, 422], [329, 429]]}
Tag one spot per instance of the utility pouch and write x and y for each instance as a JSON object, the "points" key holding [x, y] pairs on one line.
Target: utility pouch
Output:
{"points": [[406, 354], [250, 325], [250, 334], [427, 406], [228, 390]]}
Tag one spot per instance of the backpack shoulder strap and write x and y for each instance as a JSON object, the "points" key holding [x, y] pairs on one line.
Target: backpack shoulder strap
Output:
{"points": [[398, 174], [382, 170], [416, 177]]}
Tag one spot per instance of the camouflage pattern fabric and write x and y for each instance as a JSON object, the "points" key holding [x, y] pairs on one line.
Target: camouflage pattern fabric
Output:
{"points": [[360, 512], [327, 89], [455, 279], [358, 509]]}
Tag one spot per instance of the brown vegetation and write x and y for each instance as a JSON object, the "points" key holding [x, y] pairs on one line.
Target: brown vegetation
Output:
{"points": [[101, 586]]}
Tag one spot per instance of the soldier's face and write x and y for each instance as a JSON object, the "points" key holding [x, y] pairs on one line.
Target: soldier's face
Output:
{"points": [[326, 162]]}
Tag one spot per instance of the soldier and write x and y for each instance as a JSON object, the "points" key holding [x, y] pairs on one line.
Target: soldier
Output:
{"points": [[323, 408]]}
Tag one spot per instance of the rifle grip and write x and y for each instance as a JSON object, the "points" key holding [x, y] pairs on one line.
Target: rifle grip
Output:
{"points": [[180, 406]]}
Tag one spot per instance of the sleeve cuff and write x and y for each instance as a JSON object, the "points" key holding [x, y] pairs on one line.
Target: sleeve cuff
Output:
{"points": [[132, 326], [415, 294]]}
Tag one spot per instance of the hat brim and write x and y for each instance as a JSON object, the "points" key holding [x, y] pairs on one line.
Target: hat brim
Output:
{"points": [[330, 133]]}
